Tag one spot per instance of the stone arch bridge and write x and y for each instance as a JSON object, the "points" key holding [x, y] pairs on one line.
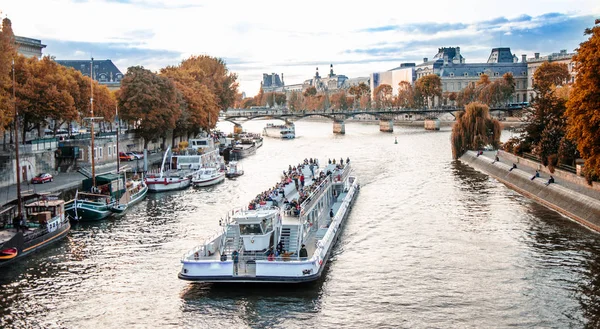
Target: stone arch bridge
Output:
{"points": [[385, 116]]}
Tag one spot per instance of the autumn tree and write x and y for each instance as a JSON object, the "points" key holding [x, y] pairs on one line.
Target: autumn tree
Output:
{"points": [[150, 100], [545, 122], [359, 91], [474, 129], [583, 108], [428, 87], [8, 53], [43, 92], [310, 91], [406, 95], [199, 96], [295, 102], [274, 97], [248, 102], [340, 101], [383, 96]]}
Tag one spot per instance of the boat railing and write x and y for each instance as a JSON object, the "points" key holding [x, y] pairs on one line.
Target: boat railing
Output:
{"points": [[314, 196]]}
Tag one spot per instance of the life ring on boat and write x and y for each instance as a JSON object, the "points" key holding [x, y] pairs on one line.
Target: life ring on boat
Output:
{"points": [[196, 256], [320, 262], [252, 240]]}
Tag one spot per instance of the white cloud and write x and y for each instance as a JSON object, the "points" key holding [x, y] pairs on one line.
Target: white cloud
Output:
{"points": [[268, 34]]}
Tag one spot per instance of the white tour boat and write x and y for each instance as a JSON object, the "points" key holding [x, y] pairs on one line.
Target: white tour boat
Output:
{"points": [[277, 241], [285, 131], [208, 176]]}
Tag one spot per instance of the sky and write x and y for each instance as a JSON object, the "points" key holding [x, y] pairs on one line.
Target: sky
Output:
{"points": [[296, 37]]}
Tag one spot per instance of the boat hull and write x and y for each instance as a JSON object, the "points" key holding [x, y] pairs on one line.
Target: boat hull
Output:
{"points": [[88, 211], [209, 182], [28, 247], [167, 184], [314, 267]]}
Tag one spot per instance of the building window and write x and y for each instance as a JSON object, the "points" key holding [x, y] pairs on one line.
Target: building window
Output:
{"points": [[99, 152], [459, 86], [496, 74], [524, 73], [517, 98], [466, 74], [518, 84], [80, 156], [452, 74], [451, 86], [444, 87], [115, 150], [109, 151]]}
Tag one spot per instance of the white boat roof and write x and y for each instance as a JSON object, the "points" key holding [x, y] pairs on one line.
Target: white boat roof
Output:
{"points": [[254, 216]]}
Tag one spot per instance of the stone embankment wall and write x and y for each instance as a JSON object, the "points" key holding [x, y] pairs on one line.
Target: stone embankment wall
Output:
{"points": [[582, 208], [564, 175]]}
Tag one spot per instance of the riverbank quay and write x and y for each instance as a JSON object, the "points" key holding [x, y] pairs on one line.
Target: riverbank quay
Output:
{"points": [[565, 195], [70, 181]]}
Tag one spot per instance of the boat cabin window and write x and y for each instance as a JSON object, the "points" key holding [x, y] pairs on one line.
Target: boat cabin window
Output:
{"points": [[267, 225], [249, 229]]}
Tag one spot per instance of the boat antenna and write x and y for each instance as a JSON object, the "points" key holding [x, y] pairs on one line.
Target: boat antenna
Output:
{"points": [[92, 120], [16, 128]]}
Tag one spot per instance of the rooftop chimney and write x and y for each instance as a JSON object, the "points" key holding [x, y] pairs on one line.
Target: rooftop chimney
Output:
{"points": [[524, 58], [424, 59], [536, 55]]}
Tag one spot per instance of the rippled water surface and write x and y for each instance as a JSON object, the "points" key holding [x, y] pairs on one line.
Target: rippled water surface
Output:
{"points": [[430, 243]]}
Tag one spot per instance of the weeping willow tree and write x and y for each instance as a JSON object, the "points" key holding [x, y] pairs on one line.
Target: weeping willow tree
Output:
{"points": [[474, 129]]}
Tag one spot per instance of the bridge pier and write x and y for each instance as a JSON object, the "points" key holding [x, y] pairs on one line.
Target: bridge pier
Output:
{"points": [[432, 124], [386, 125], [238, 129], [339, 127]]}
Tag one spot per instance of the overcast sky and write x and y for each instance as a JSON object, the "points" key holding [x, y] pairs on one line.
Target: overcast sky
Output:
{"points": [[295, 37]]}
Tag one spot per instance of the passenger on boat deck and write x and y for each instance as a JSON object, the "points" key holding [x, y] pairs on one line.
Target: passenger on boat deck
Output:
{"points": [[333, 161], [329, 161], [331, 214], [303, 252], [280, 247]]}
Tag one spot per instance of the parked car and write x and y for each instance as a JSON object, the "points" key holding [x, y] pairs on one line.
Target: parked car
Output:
{"points": [[125, 157], [42, 178], [136, 155]]}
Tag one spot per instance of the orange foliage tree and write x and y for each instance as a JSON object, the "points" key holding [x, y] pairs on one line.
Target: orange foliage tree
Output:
{"points": [[7, 54], [149, 100], [428, 87], [583, 108], [383, 96]]}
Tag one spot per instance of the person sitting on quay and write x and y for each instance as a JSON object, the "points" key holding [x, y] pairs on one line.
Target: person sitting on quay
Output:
{"points": [[550, 181], [514, 166], [497, 159], [537, 174]]}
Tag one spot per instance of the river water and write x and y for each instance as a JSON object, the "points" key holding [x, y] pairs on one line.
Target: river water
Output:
{"points": [[430, 243]]}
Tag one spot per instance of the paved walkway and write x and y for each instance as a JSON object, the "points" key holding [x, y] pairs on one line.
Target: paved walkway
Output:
{"points": [[69, 180], [544, 176]]}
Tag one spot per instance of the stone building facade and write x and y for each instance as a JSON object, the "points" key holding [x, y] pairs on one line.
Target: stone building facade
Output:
{"points": [[456, 73], [562, 57], [29, 47]]}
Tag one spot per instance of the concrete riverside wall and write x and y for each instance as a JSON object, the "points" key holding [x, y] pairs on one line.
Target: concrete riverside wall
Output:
{"points": [[564, 175], [581, 208]]}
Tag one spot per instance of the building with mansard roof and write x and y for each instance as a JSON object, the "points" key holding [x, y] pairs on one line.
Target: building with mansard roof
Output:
{"points": [[105, 71], [456, 73]]}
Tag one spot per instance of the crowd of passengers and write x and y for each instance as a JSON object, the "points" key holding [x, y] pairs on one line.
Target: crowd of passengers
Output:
{"points": [[295, 174]]}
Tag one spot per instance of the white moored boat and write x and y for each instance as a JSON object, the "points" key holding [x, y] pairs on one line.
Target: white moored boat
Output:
{"points": [[277, 241], [167, 180], [285, 131], [208, 176]]}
